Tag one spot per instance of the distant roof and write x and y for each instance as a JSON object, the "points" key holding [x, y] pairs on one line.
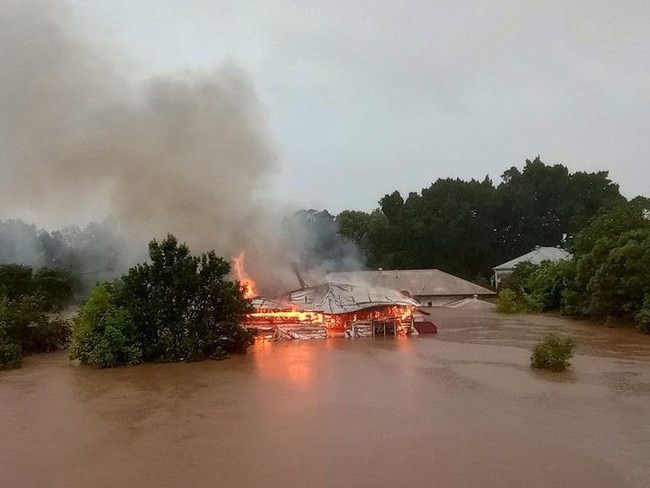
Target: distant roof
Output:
{"points": [[337, 298], [536, 256], [418, 282]]}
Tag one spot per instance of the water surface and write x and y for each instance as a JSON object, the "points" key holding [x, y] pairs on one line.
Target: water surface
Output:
{"points": [[462, 409]]}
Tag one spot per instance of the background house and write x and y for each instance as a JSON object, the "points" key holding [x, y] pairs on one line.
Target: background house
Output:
{"points": [[536, 256], [430, 287]]}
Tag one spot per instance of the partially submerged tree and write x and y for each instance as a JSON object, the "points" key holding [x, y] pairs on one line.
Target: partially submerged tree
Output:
{"points": [[553, 353], [178, 307], [612, 274], [27, 300]]}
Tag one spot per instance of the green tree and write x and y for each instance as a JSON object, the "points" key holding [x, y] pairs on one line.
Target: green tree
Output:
{"points": [[11, 355], [15, 280], [643, 316], [103, 333], [355, 225], [27, 324], [545, 283], [177, 307], [546, 205], [612, 274], [54, 287]]}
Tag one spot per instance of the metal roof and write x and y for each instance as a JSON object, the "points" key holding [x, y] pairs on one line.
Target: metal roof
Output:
{"points": [[536, 256], [337, 298], [418, 282]]}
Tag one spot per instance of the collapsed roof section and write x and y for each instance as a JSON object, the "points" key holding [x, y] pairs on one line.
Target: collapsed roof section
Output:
{"points": [[341, 298]]}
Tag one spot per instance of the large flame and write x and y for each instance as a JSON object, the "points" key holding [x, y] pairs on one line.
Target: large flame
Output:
{"points": [[246, 281]]}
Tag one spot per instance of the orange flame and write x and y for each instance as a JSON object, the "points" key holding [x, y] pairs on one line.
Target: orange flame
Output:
{"points": [[246, 281]]}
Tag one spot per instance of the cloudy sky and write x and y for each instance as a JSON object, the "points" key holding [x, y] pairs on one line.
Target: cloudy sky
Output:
{"points": [[366, 97]]}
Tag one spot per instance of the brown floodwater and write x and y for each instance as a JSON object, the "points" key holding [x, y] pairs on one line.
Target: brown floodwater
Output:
{"points": [[462, 409]]}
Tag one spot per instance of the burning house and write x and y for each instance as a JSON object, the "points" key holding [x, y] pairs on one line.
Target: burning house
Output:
{"points": [[328, 309]]}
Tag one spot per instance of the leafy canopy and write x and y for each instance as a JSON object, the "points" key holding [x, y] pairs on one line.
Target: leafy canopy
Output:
{"points": [[177, 307]]}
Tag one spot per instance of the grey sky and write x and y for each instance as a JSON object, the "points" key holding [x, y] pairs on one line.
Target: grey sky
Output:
{"points": [[366, 97]]}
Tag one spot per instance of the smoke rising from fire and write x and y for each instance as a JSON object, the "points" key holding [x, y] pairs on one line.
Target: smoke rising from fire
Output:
{"points": [[188, 154]]}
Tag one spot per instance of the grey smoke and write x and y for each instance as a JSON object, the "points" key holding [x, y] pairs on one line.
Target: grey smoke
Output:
{"points": [[185, 153]]}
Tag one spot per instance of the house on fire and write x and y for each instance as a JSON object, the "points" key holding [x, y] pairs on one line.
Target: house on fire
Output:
{"points": [[333, 309], [430, 287]]}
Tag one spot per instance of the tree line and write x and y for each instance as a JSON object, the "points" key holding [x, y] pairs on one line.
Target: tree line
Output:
{"points": [[96, 252], [467, 227], [174, 307], [182, 307]]}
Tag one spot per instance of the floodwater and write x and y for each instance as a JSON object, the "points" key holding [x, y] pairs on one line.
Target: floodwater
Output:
{"points": [[462, 409]]}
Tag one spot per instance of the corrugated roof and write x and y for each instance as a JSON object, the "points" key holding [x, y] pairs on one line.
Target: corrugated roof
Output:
{"points": [[337, 298], [418, 282], [536, 256]]}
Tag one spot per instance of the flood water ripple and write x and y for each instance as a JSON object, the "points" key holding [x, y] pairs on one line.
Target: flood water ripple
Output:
{"points": [[462, 409]]}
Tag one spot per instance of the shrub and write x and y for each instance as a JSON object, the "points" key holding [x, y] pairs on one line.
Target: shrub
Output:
{"points": [[553, 353], [507, 301], [103, 333], [11, 355], [25, 325], [643, 316]]}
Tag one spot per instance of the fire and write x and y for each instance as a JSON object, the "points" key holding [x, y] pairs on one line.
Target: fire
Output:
{"points": [[246, 281]]}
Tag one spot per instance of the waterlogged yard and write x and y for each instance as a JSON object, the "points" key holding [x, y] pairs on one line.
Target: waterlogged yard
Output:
{"points": [[462, 409]]}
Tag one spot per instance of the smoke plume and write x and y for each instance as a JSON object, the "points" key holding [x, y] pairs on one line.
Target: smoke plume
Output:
{"points": [[188, 154]]}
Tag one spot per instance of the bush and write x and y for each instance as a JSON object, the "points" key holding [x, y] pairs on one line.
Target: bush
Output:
{"points": [[11, 355], [509, 301], [103, 333], [553, 353], [643, 316], [28, 328], [27, 325]]}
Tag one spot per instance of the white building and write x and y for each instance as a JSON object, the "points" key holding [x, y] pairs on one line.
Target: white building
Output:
{"points": [[536, 256]]}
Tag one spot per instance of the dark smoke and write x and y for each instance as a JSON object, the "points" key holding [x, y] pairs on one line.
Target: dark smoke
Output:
{"points": [[188, 154]]}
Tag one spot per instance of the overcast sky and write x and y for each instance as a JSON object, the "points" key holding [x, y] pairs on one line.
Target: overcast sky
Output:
{"points": [[366, 97]]}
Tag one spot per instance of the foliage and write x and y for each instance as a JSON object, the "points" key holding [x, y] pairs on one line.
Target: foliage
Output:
{"points": [[98, 251], [511, 301], [553, 353], [466, 227], [507, 301], [53, 287], [178, 307], [612, 274], [26, 300], [28, 325], [545, 283], [608, 277], [103, 334], [11, 355], [643, 316], [15, 280]]}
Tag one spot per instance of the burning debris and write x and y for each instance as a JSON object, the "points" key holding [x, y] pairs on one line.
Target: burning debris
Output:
{"points": [[328, 309]]}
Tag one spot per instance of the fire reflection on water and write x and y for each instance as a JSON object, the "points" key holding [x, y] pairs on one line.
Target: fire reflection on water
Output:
{"points": [[294, 364], [462, 409]]}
